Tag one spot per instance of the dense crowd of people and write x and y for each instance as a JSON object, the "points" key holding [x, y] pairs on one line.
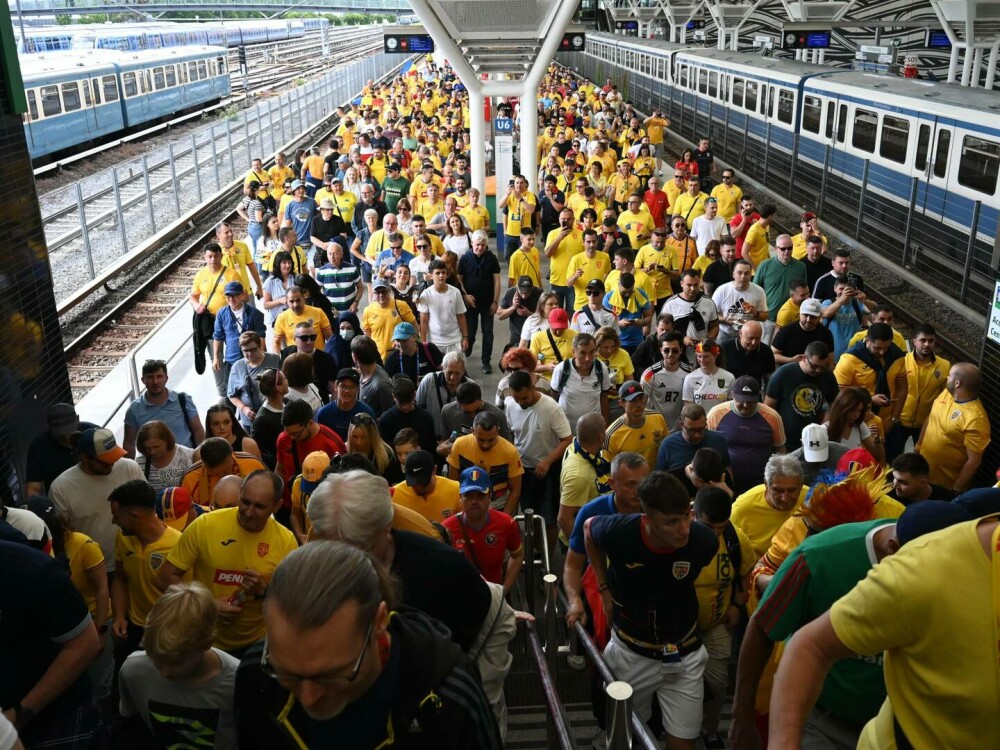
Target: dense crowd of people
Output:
{"points": [[728, 444]]}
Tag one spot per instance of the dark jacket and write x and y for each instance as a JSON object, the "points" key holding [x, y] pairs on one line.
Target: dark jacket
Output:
{"points": [[646, 353], [438, 700]]}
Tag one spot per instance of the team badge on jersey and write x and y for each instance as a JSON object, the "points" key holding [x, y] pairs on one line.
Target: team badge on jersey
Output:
{"points": [[721, 382], [681, 569], [491, 539], [156, 560], [262, 549], [955, 415]]}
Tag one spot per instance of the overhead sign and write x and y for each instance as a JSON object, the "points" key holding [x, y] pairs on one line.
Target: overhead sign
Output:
{"points": [[806, 39], [503, 125], [574, 41], [937, 40], [407, 43], [695, 23]]}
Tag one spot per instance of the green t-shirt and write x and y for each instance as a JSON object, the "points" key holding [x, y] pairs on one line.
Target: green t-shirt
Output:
{"points": [[817, 573], [394, 190]]}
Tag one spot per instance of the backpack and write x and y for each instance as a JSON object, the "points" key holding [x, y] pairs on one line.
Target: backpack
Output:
{"points": [[564, 374]]}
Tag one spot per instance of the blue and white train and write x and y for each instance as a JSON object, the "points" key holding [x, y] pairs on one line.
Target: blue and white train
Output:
{"points": [[76, 99], [909, 166]]}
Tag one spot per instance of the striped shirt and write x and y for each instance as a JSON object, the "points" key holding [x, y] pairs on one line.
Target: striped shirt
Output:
{"points": [[340, 285]]}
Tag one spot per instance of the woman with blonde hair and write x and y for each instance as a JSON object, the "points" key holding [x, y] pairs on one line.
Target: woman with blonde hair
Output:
{"points": [[363, 438], [617, 360]]}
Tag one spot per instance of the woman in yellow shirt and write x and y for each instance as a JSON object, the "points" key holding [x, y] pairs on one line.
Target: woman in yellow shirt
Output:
{"points": [[643, 166], [618, 362]]}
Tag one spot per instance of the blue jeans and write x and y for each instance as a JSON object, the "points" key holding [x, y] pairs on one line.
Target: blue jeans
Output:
{"points": [[565, 296], [254, 231], [510, 246]]}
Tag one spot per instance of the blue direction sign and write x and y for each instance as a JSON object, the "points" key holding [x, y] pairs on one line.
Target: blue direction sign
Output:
{"points": [[503, 125]]}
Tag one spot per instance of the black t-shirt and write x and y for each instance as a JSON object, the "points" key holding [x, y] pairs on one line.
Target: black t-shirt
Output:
{"points": [[515, 321], [718, 273], [792, 340], [653, 589], [705, 160], [48, 458], [324, 369], [441, 581], [396, 362], [41, 609], [393, 420], [816, 270], [823, 290], [326, 230], [802, 399], [759, 364], [478, 273], [549, 213]]}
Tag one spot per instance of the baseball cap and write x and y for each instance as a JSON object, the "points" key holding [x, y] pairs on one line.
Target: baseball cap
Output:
{"points": [[595, 285], [394, 167], [854, 460], [312, 471], [473, 479], [296, 184], [558, 318], [630, 390], [349, 373], [343, 159], [525, 282], [746, 388], [811, 307], [979, 502], [327, 203], [100, 443], [419, 468], [62, 419], [815, 443], [335, 180], [173, 505], [403, 331], [234, 289], [807, 216], [380, 284], [927, 516]]}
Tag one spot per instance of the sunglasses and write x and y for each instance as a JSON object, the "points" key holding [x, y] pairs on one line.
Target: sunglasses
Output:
{"points": [[307, 337], [361, 418]]}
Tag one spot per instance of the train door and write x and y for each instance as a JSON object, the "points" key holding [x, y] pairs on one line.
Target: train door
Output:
{"points": [[932, 164], [836, 119]]}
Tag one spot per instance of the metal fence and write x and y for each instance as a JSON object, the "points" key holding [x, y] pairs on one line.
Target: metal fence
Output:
{"points": [[96, 221], [959, 263], [78, 6]]}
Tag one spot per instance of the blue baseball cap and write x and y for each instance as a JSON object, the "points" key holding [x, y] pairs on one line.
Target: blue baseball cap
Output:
{"points": [[403, 331], [475, 479]]}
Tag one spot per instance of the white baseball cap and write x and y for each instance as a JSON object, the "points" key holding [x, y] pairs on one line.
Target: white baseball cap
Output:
{"points": [[815, 443]]}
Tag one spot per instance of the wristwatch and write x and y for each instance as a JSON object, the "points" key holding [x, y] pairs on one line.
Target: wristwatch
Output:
{"points": [[22, 715]]}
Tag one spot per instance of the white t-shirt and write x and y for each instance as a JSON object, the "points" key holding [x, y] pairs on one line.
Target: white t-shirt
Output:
{"points": [[859, 433], [704, 230], [419, 268], [171, 474], [84, 500], [581, 395], [708, 390], [730, 303], [532, 325], [309, 394], [458, 244], [664, 390], [443, 309], [8, 735], [603, 318], [537, 429]]}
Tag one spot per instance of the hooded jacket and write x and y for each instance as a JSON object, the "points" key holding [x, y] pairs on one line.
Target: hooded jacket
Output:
{"points": [[437, 700]]}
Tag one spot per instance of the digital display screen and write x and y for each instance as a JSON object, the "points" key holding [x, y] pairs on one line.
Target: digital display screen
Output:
{"points": [[817, 40], [695, 24], [938, 40], [629, 25], [420, 43]]}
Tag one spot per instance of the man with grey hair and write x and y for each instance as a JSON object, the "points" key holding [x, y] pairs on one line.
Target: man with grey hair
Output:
{"points": [[393, 257], [438, 389], [368, 202], [584, 473], [581, 383], [761, 511], [479, 275], [340, 666]]}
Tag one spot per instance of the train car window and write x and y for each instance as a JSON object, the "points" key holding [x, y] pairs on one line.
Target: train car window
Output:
{"points": [[786, 105], [87, 101], [128, 83], [725, 87], [895, 139], [703, 81], [50, 100], [713, 85], [923, 146], [941, 153], [831, 113], [159, 82], [32, 105], [842, 123], [202, 69], [753, 89], [171, 72], [770, 101], [738, 88], [979, 165], [71, 96], [110, 88], [182, 73], [682, 76], [865, 130], [96, 84], [812, 113], [193, 71]]}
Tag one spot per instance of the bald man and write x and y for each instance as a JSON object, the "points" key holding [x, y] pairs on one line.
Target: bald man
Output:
{"points": [[745, 355], [227, 492], [957, 431]]}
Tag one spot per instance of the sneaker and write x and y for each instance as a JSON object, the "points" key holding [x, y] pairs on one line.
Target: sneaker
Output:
{"points": [[713, 741], [487, 369]]}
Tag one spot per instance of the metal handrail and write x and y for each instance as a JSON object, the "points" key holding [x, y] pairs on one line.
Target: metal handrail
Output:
{"points": [[559, 732]]}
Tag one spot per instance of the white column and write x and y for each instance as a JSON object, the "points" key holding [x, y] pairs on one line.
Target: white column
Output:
{"points": [[477, 132], [953, 64], [529, 134], [977, 67], [967, 65]]}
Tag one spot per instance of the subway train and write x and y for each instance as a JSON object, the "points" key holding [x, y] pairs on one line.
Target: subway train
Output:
{"points": [[909, 166], [134, 37], [77, 98]]}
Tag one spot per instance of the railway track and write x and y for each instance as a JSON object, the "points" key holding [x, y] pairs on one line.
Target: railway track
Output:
{"points": [[134, 307]]}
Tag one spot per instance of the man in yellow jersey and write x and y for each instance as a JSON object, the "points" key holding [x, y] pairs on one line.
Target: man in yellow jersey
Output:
{"points": [[655, 124], [757, 244], [518, 207], [691, 203], [585, 267], [728, 195], [498, 456], [426, 178], [957, 431], [420, 235], [237, 255], [926, 376], [788, 314], [299, 312], [621, 185], [218, 460], [234, 552], [560, 247], [577, 200], [675, 187], [877, 365], [884, 314], [278, 175], [430, 206], [907, 607], [810, 228], [433, 497], [344, 199], [760, 512], [207, 298], [142, 544], [659, 261], [524, 261], [591, 201], [381, 316], [257, 173], [636, 221], [637, 430], [623, 261]]}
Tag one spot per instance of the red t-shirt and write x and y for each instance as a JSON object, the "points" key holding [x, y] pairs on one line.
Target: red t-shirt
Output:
{"points": [[325, 440], [499, 534], [657, 203], [735, 222]]}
